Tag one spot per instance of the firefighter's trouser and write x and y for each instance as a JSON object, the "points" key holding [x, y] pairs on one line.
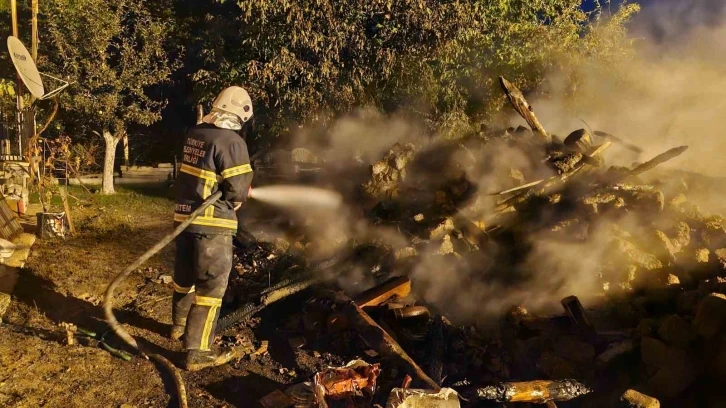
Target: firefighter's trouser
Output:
{"points": [[201, 272]]}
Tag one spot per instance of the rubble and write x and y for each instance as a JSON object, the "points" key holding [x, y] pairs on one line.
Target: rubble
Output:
{"points": [[702, 255], [353, 384], [443, 228], [406, 252], [556, 367], [671, 368], [414, 398], [446, 247], [389, 172], [676, 331], [710, 316], [654, 353], [576, 350], [647, 261], [614, 351], [674, 375], [721, 257], [276, 399], [634, 399], [686, 302]]}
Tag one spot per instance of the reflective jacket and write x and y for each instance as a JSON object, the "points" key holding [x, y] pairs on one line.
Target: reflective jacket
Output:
{"points": [[213, 159]]}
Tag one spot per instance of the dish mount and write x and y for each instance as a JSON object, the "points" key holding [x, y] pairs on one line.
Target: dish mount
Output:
{"points": [[28, 71]]}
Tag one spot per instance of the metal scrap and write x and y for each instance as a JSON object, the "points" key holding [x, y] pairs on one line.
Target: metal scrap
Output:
{"points": [[352, 379], [357, 378], [403, 313]]}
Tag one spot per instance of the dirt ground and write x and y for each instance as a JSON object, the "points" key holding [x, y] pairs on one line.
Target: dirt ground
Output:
{"points": [[64, 281]]}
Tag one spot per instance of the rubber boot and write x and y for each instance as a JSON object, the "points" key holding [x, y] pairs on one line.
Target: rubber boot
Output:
{"points": [[181, 303]]}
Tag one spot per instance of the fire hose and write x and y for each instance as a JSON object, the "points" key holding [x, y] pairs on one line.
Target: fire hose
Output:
{"points": [[108, 300]]}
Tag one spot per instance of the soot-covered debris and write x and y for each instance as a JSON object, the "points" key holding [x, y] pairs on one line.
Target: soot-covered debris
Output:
{"points": [[646, 261]]}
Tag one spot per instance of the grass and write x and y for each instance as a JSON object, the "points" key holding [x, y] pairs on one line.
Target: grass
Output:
{"points": [[130, 200], [65, 280], [111, 231]]}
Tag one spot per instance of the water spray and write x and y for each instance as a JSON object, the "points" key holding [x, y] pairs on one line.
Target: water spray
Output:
{"points": [[297, 197]]}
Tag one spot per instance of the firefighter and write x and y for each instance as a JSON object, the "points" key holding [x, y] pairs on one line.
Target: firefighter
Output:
{"points": [[215, 157]]}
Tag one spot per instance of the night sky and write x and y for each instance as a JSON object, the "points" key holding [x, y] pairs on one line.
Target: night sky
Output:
{"points": [[663, 20]]}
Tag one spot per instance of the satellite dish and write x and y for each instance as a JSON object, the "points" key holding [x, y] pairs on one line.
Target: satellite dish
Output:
{"points": [[28, 72], [26, 67]]}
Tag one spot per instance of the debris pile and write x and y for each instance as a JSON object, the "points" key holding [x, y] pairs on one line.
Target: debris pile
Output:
{"points": [[656, 328]]}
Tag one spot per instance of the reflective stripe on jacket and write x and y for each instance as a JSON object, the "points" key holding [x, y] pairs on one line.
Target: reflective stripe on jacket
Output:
{"points": [[213, 159]]}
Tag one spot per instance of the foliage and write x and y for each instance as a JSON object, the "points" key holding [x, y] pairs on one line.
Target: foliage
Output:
{"points": [[62, 153], [7, 89], [309, 60], [306, 60], [112, 52], [525, 42], [7, 98], [312, 60]]}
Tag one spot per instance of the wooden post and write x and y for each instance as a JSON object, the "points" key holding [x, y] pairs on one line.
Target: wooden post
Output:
{"points": [[516, 98], [34, 31], [14, 15], [19, 87], [67, 208]]}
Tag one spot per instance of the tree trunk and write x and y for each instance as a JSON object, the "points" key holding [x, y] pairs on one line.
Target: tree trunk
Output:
{"points": [[126, 150], [200, 113], [108, 162]]}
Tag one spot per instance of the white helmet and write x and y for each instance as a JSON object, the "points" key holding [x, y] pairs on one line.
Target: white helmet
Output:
{"points": [[235, 100]]}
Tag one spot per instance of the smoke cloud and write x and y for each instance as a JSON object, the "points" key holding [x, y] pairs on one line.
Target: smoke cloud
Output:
{"points": [[672, 93]]}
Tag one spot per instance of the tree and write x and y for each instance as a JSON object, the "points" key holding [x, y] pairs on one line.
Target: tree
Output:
{"points": [[309, 60], [525, 41], [113, 53]]}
